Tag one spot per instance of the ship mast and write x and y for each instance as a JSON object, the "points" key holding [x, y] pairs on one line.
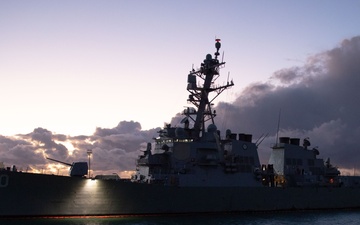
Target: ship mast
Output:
{"points": [[199, 95]]}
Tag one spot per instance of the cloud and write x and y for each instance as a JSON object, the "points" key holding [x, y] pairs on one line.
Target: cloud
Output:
{"points": [[17, 151], [113, 150], [318, 100]]}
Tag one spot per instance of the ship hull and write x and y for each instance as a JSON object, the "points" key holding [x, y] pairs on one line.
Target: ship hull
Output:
{"points": [[33, 195]]}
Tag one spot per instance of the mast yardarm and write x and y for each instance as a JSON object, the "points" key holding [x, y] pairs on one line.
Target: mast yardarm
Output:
{"points": [[200, 95]]}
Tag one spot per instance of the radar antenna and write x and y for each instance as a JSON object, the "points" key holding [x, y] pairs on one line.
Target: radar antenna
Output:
{"points": [[199, 95]]}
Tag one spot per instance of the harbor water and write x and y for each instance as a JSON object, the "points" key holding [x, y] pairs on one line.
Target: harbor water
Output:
{"points": [[290, 218]]}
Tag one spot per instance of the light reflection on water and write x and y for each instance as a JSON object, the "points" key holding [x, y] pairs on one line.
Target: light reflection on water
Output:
{"points": [[290, 218]]}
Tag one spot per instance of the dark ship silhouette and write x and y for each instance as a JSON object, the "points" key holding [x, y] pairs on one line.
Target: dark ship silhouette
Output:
{"points": [[190, 170]]}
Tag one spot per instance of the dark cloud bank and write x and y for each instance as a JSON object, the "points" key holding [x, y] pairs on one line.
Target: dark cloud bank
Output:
{"points": [[319, 100]]}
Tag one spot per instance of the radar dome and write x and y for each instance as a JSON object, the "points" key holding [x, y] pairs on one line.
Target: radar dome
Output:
{"points": [[211, 128], [228, 132]]}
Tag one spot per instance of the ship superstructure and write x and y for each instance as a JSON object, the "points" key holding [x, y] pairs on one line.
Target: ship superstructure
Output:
{"points": [[197, 156]]}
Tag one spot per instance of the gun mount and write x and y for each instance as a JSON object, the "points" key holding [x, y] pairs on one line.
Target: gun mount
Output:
{"points": [[77, 169]]}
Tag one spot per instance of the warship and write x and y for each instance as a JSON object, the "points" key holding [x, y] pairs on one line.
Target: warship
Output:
{"points": [[190, 168]]}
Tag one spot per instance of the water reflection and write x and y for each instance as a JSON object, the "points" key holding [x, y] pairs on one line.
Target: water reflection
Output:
{"points": [[291, 218]]}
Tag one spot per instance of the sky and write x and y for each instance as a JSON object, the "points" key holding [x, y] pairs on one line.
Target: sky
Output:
{"points": [[105, 75]]}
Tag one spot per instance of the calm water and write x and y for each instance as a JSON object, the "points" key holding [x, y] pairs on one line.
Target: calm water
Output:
{"points": [[291, 218]]}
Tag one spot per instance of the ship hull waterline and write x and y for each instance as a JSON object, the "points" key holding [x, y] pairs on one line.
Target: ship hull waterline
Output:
{"points": [[32, 195]]}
